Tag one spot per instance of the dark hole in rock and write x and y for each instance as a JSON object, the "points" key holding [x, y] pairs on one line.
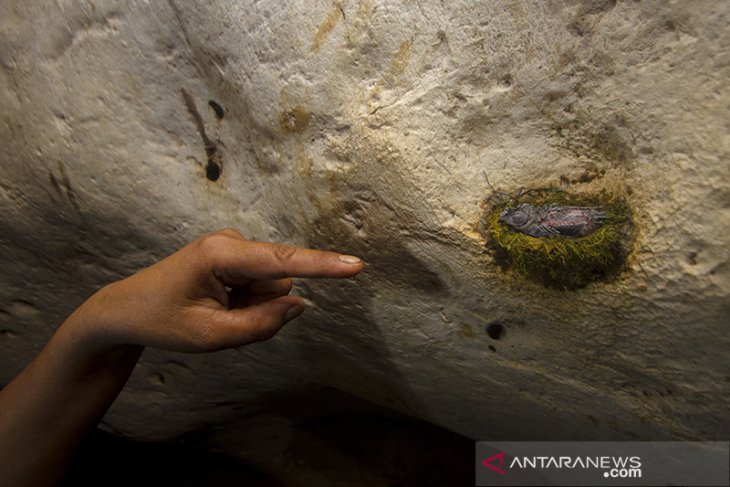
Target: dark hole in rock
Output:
{"points": [[495, 331], [213, 171], [217, 109]]}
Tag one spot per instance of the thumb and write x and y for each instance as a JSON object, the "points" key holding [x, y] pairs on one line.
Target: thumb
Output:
{"points": [[258, 322]]}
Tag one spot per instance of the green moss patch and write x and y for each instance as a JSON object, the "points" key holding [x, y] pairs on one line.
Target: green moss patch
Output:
{"points": [[561, 262]]}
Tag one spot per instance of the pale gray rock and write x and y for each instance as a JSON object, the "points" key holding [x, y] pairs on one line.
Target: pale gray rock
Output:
{"points": [[379, 128]]}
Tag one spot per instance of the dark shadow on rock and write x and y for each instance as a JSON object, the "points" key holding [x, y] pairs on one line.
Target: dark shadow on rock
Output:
{"points": [[402, 452], [322, 436], [357, 357]]}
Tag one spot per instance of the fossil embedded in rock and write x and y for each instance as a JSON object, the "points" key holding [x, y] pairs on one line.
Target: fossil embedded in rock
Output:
{"points": [[550, 220]]}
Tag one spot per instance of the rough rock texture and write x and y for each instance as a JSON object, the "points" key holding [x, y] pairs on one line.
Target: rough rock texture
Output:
{"points": [[379, 128]]}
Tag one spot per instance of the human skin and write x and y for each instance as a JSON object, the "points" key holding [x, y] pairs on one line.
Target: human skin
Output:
{"points": [[220, 291]]}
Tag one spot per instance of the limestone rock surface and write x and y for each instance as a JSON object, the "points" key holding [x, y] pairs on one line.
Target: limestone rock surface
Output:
{"points": [[379, 128]]}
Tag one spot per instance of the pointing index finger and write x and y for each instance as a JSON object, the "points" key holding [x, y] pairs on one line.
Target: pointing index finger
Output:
{"points": [[236, 259]]}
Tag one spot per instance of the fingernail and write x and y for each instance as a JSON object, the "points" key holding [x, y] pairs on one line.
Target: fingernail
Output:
{"points": [[350, 259], [293, 312]]}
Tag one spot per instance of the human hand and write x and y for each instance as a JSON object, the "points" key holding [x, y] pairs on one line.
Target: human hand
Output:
{"points": [[220, 291]]}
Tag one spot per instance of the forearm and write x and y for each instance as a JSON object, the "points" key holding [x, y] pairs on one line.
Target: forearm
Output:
{"points": [[219, 291], [47, 410]]}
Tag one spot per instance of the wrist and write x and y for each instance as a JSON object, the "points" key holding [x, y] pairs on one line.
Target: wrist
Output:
{"points": [[90, 334]]}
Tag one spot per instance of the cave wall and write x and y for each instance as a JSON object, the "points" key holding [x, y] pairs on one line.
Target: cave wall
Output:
{"points": [[381, 128]]}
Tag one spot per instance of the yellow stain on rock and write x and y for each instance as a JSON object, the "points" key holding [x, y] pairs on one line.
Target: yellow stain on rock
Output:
{"points": [[399, 63], [466, 331], [391, 76], [324, 29], [295, 120]]}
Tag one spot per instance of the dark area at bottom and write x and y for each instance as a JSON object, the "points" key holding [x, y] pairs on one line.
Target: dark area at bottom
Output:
{"points": [[403, 451], [111, 461]]}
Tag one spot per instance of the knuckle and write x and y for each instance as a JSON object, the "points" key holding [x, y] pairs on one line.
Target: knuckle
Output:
{"points": [[230, 232], [213, 243], [284, 253]]}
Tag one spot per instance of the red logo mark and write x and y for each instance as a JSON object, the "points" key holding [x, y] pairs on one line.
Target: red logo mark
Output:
{"points": [[487, 463]]}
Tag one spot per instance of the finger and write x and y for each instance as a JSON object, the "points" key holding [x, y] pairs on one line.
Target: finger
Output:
{"points": [[236, 261], [258, 292], [273, 261], [261, 298], [262, 291], [280, 287], [256, 323]]}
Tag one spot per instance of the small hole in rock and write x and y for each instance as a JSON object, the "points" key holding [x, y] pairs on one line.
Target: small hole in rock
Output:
{"points": [[495, 331], [491, 348], [212, 171], [217, 109]]}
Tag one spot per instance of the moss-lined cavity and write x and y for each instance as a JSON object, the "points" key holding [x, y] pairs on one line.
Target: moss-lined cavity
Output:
{"points": [[561, 262]]}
